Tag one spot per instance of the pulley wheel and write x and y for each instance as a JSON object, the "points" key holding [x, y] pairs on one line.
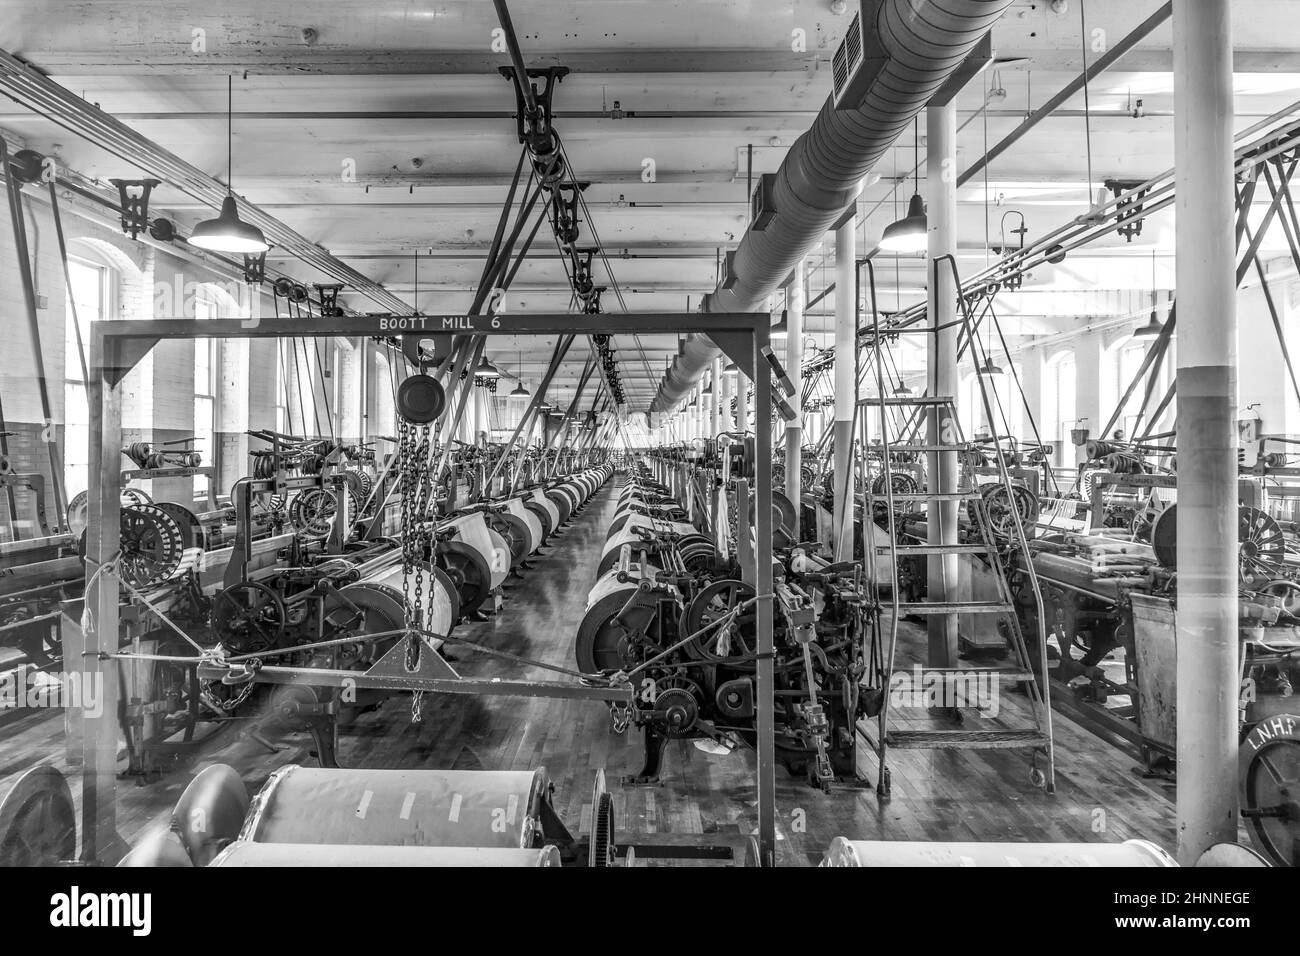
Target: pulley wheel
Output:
{"points": [[1261, 544], [711, 603], [38, 824], [420, 399], [1288, 591], [151, 545], [136, 496], [783, 519], [248, 617], [1269, 773], [901, 482], [312, 513], [998, 506], [602, 645], [359, 610], [515, 533], [469, 573], [191, 530], [78, 513]]}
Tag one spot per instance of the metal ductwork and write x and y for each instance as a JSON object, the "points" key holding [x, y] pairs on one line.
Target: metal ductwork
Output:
{"points": [[913, 49]]}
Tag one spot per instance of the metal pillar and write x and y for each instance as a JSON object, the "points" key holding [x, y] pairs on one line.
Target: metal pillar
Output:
{"points": [[766, 705], [728, 389], [941, 186], [100, 841], [1207, 676], [794, 305], [742, 401], [846, 387]]}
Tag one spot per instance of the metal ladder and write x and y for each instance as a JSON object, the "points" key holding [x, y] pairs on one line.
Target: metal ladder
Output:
{"points": [[984, 542]]}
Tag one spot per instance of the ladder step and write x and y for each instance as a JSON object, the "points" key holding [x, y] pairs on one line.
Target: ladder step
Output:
{"points": [[965, 739], [954, 607], [934, 549], [906, 400]]}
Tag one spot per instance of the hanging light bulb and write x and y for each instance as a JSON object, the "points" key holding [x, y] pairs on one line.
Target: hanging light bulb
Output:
{"points": [[901, 389], [229, 233], [988, 368], [909, 233], [519, 391], [1153, 327], [486, 369]]}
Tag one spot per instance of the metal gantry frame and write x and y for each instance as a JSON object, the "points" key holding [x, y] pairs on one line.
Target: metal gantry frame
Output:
{"points": [[117, 346]]}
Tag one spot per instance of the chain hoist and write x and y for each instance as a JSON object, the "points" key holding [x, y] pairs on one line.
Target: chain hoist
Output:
{"points": [[420, 401], [412, 443]]}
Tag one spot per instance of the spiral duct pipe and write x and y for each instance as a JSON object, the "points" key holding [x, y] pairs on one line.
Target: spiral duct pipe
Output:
{"points": [[924, 42]]}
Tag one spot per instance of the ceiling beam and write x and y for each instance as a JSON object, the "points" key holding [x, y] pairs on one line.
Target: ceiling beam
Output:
{"points": [[176, 58]]}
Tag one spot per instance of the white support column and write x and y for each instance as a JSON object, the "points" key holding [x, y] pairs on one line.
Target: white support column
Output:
{"points": [[846, 386], [794, 306], [715, 381], [724, 413], [941, 185], [742, 402], [1207, 669]]}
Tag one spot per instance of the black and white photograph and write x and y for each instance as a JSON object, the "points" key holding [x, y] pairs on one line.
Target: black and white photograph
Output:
{"points": [[606, 434]]}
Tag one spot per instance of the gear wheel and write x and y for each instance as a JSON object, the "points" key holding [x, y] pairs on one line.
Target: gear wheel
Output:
{"points": [[600, 849]]}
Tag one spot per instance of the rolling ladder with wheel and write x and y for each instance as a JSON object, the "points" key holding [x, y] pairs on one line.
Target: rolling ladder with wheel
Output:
{"points": [[998, 531]]}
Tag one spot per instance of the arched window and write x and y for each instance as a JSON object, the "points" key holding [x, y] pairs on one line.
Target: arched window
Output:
{"points": [[1058, 398], [211, 301], [384, 422], [1128, 359], [91, 299]]}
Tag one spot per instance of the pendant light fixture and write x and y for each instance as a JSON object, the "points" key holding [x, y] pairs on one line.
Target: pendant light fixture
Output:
{"points": [[519, 390], [229, 233], [486, 369], [988, 368], [1154, 326], [901, 389], [909, 233]]}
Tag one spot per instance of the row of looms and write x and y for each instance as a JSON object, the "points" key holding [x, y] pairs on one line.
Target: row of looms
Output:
{"points": [[795, 541]]}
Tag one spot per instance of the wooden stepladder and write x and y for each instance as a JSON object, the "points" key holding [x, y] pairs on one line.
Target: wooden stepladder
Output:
{"points": [[995, 531]]}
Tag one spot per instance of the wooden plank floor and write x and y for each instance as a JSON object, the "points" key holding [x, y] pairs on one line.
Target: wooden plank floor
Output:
{"points": [[704, 798]]}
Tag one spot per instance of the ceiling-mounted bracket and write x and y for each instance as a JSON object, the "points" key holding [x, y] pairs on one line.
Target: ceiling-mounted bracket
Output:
{"points": [[564, 212], [534, 128], [133, 197], [255, 268], [1128, 210], [329, 298], [436, 348], [584, 284]]}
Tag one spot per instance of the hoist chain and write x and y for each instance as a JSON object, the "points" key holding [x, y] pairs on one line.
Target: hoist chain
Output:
{"points": [[412, 448]]}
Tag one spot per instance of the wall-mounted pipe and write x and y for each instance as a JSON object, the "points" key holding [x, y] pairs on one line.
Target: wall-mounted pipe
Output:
{"points": [[924, 41]]}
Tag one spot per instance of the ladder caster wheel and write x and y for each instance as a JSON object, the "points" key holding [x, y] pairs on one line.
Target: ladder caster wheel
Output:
{"points": [[883, 787], [1038, 778]]}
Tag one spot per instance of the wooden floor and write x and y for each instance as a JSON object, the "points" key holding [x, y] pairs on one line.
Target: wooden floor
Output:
{"points": [[704, 798]]}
